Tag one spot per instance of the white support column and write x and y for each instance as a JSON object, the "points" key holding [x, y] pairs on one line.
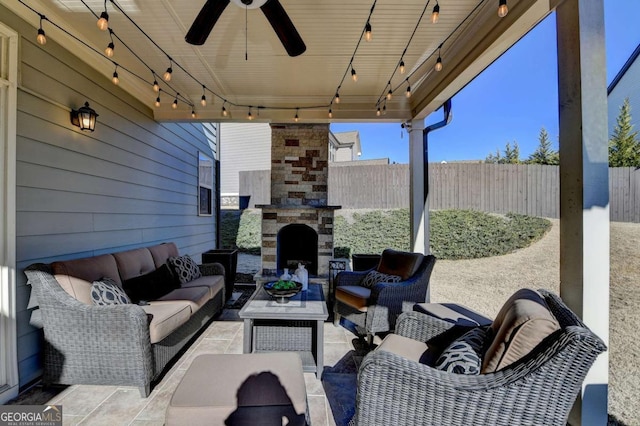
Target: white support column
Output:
{"points": [[419, 207], [584, 186]]}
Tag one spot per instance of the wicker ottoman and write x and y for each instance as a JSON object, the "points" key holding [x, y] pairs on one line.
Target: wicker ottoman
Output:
{"points": [[247, 389]]}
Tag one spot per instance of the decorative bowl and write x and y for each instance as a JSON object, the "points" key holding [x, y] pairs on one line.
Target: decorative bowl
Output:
{"points": [[282, 290]]}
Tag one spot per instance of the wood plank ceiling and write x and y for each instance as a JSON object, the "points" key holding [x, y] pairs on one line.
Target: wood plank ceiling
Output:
{"points": [[470, 31]]}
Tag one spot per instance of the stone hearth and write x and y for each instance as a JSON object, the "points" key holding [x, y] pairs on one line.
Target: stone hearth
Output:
{"points": [[299, 177]]}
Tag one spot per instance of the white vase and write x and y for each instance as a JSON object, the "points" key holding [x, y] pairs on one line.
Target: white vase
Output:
{"points": [[303, 276], [286, 276]]}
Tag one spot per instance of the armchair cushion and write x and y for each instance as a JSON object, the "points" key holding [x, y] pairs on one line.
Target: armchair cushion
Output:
{"points": [[354, 295], [522, 323], [400, 263], [410, 349], [374, 277], [464, 354]]}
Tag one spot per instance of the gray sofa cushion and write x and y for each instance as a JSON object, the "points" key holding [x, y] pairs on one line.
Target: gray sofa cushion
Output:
{"points": [[195, 296], [167, 316]]}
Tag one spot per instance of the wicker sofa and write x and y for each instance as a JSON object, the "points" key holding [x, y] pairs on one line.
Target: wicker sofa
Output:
{"points": [[398, 384], [119, 344]]}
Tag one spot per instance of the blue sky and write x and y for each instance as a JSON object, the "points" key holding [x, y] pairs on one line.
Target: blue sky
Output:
{"points": [[510, 101]]}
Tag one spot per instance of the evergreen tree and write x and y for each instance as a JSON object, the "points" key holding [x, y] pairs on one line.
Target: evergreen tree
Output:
{"points": [[544, 154], [512, 155], [624, 147]]}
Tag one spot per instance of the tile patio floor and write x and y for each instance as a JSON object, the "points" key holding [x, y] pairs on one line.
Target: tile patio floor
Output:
{"points": [[118, 405]]}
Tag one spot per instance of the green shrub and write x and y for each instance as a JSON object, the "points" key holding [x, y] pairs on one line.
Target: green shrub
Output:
{"points": [[455, 234]]}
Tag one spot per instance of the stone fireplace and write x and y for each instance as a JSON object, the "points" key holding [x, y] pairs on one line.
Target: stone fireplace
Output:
{"points": [[297, 227]]}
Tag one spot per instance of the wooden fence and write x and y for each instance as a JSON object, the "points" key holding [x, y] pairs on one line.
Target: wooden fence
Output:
{"points": [[499, 188]]}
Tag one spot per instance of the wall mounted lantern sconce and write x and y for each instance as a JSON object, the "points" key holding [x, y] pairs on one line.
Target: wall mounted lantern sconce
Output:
{"points": [[84, 117]]}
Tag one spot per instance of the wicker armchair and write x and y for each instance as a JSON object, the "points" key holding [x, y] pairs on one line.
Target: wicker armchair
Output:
{"points": [[538, 389], [375, 310]]}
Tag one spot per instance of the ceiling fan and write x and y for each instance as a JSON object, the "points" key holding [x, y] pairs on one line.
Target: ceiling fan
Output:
{"points": [[272, 9]]}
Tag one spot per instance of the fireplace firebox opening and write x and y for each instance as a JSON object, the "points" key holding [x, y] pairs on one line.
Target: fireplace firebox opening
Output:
{"points": [[297, 243]]}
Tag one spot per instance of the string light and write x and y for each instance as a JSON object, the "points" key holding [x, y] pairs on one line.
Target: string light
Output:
{"points": [[408, 92], [438, 66], [115, 78], [193, 114], [156, 87], [41, 38], [354, 76], [330, 113], [203, 99], [249, 116], [174, 105], [168, 72], [157, 104], [337, 97], [384, 109], [367, 32], [390, 92], [224, 110], [378, 112], [296, 118], [503, 9], [402, 67], [103, 21], [109, 50], [435, 15]]}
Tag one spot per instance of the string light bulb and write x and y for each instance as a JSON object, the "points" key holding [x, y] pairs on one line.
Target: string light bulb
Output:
{"points": [[115, 78], [103, 21], [203, 99], [503, 9], [354, 75], [408, 92], [402, 67], [157, 103], [337, 97], [389, 94], [174, 105], [368, 36], [296, 118], [41, 37], [249, 116], [435, 15], [156, 86], [378, 112], [168, 72], [384, 109], [109, 50], [438, 66], [193, 113], [330, 113], [224, 111]]}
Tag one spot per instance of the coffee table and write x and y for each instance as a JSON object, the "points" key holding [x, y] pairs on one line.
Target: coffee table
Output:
{"points": [[296, 326]]}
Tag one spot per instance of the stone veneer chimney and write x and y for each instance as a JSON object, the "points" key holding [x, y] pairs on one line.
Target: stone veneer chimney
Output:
{"points": [[299, 178]]}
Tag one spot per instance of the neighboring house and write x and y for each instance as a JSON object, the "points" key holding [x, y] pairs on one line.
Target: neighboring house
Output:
{"points": [[626, 84], [345, 147], [247, 146]]}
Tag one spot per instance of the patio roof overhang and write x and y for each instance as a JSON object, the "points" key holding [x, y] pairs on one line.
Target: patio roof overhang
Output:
{"points": [[470, 32]]}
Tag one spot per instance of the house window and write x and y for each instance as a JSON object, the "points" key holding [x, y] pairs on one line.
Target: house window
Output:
{"points": [[205, 185]]}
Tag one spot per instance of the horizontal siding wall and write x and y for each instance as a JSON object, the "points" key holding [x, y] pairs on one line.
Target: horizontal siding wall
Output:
{"points": [[131, 183], [497, 188]]}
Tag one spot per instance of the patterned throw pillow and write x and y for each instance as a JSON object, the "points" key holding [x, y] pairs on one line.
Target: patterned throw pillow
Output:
{"points": [[464, 354], [185, 268], [106, 291], [374, 277]]}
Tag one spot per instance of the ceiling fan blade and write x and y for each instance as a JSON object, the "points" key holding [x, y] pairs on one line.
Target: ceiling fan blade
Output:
{"points": [[204, 22], [283, 27]]}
